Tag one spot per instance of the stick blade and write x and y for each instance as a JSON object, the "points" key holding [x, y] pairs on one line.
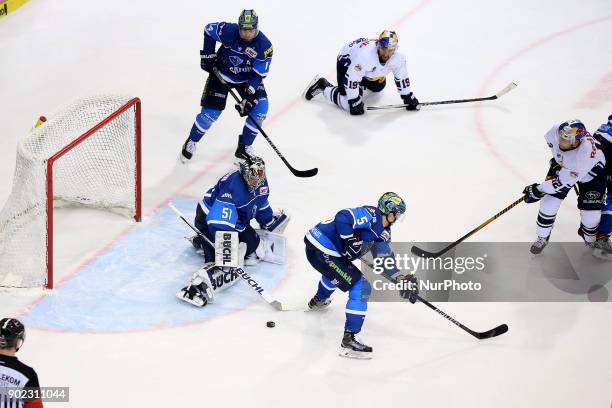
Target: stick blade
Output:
{"points": [[304, 173], [498, 331], [277, 305], [504, 91]]}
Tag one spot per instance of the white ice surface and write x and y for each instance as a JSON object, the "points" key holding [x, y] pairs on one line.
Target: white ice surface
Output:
{"points": [[455, 166]]}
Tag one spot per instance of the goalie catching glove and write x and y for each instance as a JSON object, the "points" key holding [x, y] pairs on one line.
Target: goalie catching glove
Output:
{"points": [[279, 222]]}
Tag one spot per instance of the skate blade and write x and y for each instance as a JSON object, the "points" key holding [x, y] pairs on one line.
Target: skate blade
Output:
{"points": [[184, 296], [311, 83], [358, 355]]}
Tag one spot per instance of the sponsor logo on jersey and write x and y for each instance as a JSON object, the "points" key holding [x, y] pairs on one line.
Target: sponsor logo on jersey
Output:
{"points": [[573, 174], [3, 10], [226, 195], [357, 67], [263, 190], [268, 52], [235, 60], [220, 95], [236, 70], [385, 235], [250, 52], [592, 195], [348, 278]]}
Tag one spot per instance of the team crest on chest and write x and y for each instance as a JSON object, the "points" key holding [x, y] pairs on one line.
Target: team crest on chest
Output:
{"points": [[235, 60]]}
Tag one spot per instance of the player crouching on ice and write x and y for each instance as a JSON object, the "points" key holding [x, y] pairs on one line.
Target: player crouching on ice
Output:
{"points": [[223, 217], [332, 245], [577, 160], [364, 64], [603, 136]]}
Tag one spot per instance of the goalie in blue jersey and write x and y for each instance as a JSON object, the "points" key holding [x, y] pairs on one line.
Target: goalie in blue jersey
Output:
{"points": [[224, 217]]}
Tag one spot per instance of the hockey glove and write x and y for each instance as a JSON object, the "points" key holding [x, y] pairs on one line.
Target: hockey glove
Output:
{"points": [[555, 168], [410, 287], [247, 104], [356, 106], [352, 247], [532, 194], [207, 60], [412, 103], [279, 223]]}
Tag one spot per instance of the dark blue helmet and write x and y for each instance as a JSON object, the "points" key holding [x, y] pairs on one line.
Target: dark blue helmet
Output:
{"points": [[248, 20]]}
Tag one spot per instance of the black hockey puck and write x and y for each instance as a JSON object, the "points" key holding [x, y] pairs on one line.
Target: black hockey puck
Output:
{"points": [[270, 324]]}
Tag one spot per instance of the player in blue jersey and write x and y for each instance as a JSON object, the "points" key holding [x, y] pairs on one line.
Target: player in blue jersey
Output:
{"points": [[243, 59], [603, 136], [332, 245], [230, 205]]}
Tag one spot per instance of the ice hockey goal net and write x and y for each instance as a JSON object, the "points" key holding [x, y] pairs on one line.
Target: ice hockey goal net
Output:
{"points": [[86, 154]]}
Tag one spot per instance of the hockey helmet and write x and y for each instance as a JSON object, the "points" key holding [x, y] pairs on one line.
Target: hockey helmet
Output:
{"points": [[248, 20], [387, 40], [12, 333], [253, 171], [572, 131], [391, 203]]}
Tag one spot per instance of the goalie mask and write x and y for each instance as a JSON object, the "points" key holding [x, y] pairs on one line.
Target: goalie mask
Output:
{"points": [[253, 171], [12, 333]]}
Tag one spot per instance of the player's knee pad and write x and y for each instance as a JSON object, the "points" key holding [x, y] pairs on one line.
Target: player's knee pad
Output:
{"points": [[206, 118], [590, 221], [360, 292]]}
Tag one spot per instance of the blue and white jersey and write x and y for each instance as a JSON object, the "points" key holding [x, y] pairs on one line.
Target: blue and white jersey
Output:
{"points": [[231, 205], [239, 61], [603, 135], [327, 236]]}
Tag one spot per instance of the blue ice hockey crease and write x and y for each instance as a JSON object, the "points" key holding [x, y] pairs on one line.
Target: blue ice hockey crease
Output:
{"points": [[132, 286]]}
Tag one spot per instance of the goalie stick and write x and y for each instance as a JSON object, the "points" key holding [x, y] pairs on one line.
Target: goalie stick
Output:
{"points": [[498, 95], [297, 173], [426, 254], [494, 332], [239, 271]]}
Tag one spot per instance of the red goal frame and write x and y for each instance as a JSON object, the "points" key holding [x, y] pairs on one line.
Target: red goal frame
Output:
{"points": [[134, 103]]}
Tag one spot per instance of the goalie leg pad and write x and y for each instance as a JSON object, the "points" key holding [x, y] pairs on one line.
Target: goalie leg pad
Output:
{"points": [[200, 291], [274, 247], [227, 253]]}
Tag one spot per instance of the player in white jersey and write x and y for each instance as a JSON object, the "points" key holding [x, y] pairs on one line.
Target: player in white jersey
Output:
{"points": [[576, 160], [363, 65]]}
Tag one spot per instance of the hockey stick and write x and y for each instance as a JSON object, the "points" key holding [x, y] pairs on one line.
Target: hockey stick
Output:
{"points": [[426, 254], [494, 332], [239, 271], [498, 95], [297, 173]]}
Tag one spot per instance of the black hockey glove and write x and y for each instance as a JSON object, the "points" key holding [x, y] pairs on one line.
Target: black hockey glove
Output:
{"points": [[207, 60], [248, 103], [356, 106], [532, 194], [555, 168], [352, 247], [410, 287], [412, 103]]}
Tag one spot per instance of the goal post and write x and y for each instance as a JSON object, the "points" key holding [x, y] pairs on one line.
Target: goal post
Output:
{"points": [[88, 154]]}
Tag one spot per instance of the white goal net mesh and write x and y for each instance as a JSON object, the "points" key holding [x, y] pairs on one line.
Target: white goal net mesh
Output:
{"points": [[99, 171]]}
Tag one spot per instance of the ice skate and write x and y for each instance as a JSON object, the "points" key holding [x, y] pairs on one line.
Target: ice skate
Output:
{"points": [[538, 245], [189, 148], [315, 87], [318, 304], [352, 347]]}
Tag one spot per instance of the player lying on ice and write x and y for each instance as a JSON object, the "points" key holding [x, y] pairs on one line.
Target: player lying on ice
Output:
{"points": [[577, 161], [363, 65], [224, 217], [332, 245]]}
